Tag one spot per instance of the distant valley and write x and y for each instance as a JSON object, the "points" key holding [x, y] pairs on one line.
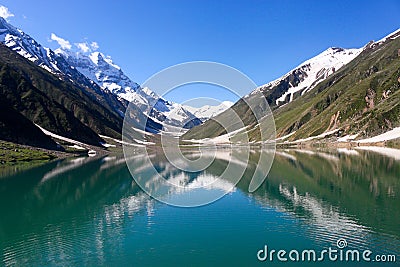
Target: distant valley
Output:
{"points": [[339, 95]]}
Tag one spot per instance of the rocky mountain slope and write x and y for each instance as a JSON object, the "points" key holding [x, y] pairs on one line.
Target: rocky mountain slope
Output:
{"points": [[307, 75], [26, 46], [56, 105], [103, 71], [101, 79], [18, 129], [360, 98]]}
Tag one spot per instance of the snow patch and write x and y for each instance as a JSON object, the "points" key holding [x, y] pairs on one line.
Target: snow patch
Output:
{"points": [[142, 132], [347, 138], [59, 137], [207, 111], [350, 152], [285, 136], [392, 36], [222, 139], [108, 145], [77, 147], [305, 151], [119, 141], [389, 135], [143, 142], [315, 137], [389, 152]]}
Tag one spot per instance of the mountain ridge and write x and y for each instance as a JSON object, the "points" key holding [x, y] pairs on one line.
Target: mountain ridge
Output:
{"points": [[296, 117], [98, 75], [307, 75], [24, 132], [29, 48], [360, 99], [52, 103], [109, 76], [338, 92], [207, 111]]}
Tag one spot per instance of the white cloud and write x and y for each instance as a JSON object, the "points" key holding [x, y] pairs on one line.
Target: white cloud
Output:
{"points": [[94, 45], [5, 13], [83, 47], [62, 42]]}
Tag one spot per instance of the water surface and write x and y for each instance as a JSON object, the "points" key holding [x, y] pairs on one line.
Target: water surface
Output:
{"points": [[89, 211]]}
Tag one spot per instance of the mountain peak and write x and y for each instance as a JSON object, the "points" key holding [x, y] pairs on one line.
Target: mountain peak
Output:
{"points": [[207, 111], [96, 57], [391, 36], [308, 74], [109, 76], [334, 49]]}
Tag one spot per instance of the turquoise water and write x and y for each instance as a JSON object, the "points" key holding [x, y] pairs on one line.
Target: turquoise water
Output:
{"points": [[89, 211]]}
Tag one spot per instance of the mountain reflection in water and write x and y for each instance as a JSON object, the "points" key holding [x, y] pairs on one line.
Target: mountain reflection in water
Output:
{"points": [[90, 210]]}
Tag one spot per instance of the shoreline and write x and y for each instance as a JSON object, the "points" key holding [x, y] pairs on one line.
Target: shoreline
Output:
{"points": [[12, 154], [336, 144]]}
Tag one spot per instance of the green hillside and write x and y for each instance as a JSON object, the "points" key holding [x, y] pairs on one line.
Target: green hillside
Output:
{"points": [[56, 105], [362, 97]]}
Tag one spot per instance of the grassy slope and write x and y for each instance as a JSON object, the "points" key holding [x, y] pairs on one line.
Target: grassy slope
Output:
{"points": [[377, 69], [11, 154], [244, 117]]}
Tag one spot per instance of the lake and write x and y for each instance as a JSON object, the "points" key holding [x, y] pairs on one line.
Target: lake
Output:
{"points": [[90, 211]]}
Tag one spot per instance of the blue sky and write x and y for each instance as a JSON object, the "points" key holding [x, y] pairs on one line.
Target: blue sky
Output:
{"points": [[263, 39]]}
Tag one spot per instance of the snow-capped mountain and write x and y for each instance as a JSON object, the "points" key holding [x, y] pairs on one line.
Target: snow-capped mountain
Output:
{"points": [[26, 46], [339, 107], [206, 112], [388, 37], [109, 76], [307, 75], [100, 77], [101, 70]]}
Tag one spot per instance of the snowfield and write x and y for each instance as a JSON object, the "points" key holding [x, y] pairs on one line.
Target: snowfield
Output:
{"points": [[389, 135], [314, 71], [207, 111]]}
